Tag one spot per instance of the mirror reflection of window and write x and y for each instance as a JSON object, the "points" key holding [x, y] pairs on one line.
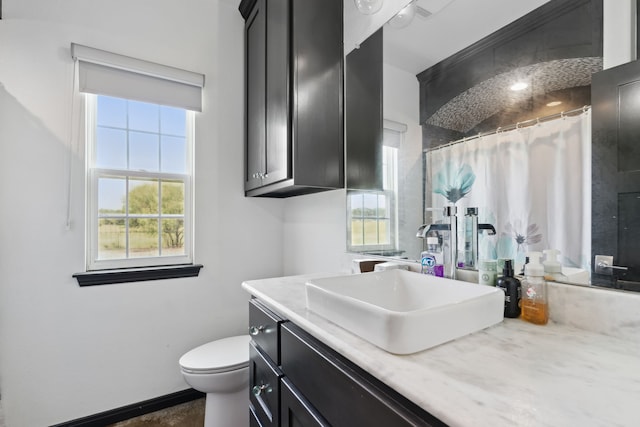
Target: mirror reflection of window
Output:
{"points": [[372, 222]]}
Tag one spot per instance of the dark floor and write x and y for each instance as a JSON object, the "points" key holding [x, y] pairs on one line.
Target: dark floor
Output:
{"points": [[190, 414]]}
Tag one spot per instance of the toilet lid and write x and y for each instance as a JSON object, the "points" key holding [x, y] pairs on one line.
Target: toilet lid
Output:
{"points": [[225, 354]]}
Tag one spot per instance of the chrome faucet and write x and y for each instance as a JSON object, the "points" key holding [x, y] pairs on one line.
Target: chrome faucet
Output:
{"points": [[452, 229], [471, 231]]}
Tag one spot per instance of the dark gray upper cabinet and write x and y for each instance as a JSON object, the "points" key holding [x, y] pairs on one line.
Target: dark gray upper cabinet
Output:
{"points": [[294, 99], [364, 115]]}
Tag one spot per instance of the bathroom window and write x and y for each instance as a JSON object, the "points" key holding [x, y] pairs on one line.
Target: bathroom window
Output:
{"points": [[139, 183], [139, 156], [372, 214]]}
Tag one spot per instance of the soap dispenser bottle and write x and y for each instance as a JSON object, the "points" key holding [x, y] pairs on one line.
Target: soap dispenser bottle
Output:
{"points": [[432, 260], [535, 308], [553, 268], [512, 290]]}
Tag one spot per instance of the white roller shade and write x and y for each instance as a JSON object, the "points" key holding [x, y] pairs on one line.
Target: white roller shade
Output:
{"points": [[110, 74], [392, 133]]}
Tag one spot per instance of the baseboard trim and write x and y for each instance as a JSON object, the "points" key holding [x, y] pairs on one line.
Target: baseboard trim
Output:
{"points": [[134, 410]]}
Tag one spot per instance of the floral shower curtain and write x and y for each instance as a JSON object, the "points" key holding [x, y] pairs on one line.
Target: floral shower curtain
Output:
{"points": [[533, 184]]}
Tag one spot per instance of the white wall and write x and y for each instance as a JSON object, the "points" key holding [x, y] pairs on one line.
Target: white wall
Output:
{"points": [[68, 352], [619, 32], [401, 104], [315, 233]]}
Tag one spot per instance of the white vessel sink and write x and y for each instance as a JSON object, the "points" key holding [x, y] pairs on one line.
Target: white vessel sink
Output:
{"points": [[404, 312]]}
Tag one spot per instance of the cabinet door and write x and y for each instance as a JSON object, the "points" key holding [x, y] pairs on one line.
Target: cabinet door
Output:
{"points": [[615, 226], [344, 394], [295, 411], [317, 54], [278, 143], [364, 115], [255, 51]]}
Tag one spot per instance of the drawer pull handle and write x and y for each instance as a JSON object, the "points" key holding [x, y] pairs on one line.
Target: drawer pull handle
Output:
{"points": [[257, 390], [255, 330]]}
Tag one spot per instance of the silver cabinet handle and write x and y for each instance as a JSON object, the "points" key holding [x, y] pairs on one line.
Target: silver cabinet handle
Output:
{"points": [[617, 267], [604, 265], [255, 330], [257, 390]]}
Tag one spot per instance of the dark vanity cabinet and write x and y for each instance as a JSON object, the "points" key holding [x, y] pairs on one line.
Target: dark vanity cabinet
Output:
{"points": [[294, 96], [296, 380]]}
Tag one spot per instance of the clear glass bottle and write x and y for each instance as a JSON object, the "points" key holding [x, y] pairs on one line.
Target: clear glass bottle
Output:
{"points": [[534, 304]]}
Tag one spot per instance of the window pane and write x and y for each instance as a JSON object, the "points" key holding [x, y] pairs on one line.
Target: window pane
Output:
{"points": [[143, 196], [173, 121], [143, 237], [356, 232], [174, 155], [370, 232], [384, 232], [382, 206], [356, 205], [370, 205], [172, 236], [143, 151], [144, 116], [111, 195], [112, 112], [172, 198], [111, 239], [111, 148]]}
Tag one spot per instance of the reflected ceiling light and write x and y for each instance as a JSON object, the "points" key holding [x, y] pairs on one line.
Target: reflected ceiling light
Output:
{"points": [[519, 86], [404, 17], [554, 103], [368, 7]]}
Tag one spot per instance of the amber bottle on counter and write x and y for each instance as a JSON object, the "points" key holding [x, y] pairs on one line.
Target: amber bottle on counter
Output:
{"points": [[534, 304]]}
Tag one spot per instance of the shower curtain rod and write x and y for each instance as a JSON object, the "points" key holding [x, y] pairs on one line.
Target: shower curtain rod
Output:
{"points": [[519, 125]]}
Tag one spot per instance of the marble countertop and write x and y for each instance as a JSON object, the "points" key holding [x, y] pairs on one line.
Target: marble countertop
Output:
{"points": [[511, 374]]}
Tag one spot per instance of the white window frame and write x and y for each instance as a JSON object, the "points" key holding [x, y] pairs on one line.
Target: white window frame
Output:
{"points": [[391, 202], [93, 173], [390, 191]]}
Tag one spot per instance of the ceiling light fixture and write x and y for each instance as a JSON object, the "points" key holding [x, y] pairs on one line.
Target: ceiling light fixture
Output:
{"points": [[403, 18], [368, 7], [554, 103], [519, 86]]}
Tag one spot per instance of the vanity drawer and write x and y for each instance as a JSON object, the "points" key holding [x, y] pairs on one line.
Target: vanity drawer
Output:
{"points": [[343, 393], [295, 410], [253, 418], [264, 330], [264, 388]]}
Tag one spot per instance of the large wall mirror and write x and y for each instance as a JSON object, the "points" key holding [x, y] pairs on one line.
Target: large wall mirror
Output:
{"points": [[457, 102]]}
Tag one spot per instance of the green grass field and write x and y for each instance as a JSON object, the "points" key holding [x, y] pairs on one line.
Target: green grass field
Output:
{"points": [[112, 243]]}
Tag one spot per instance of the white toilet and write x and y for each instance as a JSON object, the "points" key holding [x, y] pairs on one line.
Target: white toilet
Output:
{"points": [[221, 370]]}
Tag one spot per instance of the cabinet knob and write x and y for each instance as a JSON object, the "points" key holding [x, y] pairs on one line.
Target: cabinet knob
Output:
{"points": [[257, 390], [255, 330]]}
